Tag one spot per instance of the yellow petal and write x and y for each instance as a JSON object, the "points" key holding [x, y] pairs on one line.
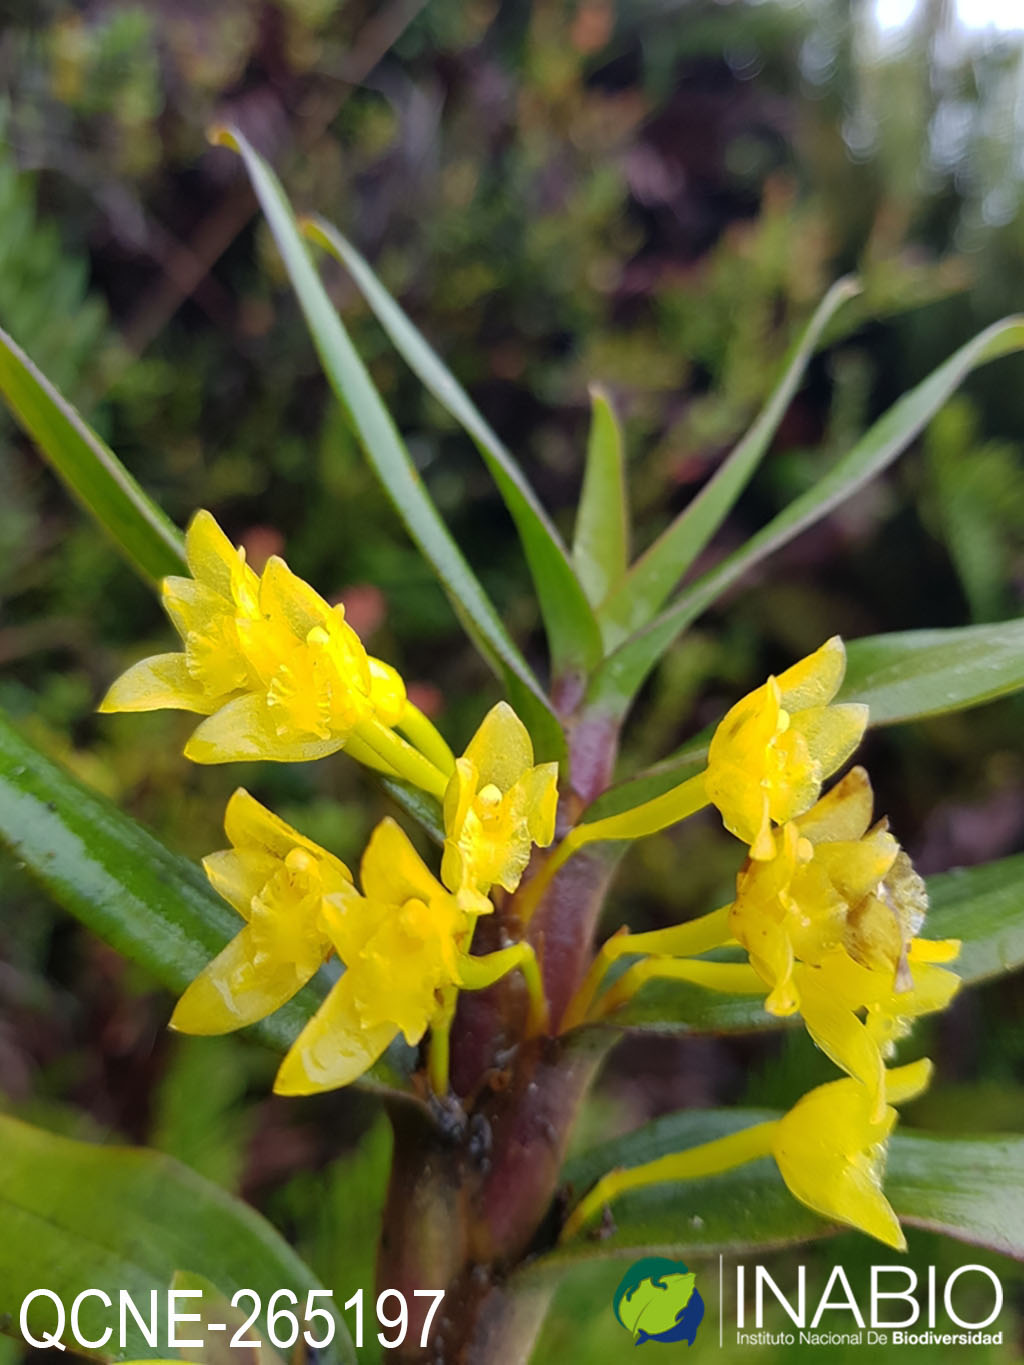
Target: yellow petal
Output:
{"points": [[540, 797], [250, 825], [831, 1155], [233, 990], [287, 598], [349, 920], [856, 867], [771, 955], [387, 692], [212, 558], [192, 606], [831, 732], [245, 729], [843, 1038], [932, 990], [904, 1083], [459, 795], [391, 871], [814, 680], [454, 868], [161, 681], [849, 1194], [843, 814], [335, 1048], [501, 749], [934, 949], [239, 876]]}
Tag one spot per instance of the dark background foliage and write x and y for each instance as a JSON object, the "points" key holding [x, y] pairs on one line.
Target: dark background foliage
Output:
{"points": [[652, 194]]}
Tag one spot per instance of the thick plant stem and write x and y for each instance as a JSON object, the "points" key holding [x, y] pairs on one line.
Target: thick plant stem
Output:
{"points": [[468, 1200], [529, 1126], [423, 1242]]}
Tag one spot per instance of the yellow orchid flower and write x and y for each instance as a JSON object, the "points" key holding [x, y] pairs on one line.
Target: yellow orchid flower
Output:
{"points": [[766, 762], [794, 905], [205, 611], [277, 671], [829, 924], [830, 1150], [834, 993], [404, 943], [497, 806], [774, 748], [277, 881], [311, 680]]}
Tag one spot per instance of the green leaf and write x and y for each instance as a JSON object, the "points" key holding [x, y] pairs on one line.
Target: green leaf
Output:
{"points": [[419, 805], [981, 906], [89, 468], [151, 905], [601, 545], [82, 1216], [984, 908], [968, 1188], [572, 631], [925, 672], [651, 579], [389, 457], [619, 678]]}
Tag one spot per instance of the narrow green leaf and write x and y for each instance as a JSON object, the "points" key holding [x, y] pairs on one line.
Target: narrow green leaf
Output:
{"points": [[971, 1189], [651, 579], [981, 906], [573, 636], [386, 452], [89, 468], [925, 672], [151, 905], [420, 805], [601, 545], [984, 908], [81, 1216], [619, 678]]}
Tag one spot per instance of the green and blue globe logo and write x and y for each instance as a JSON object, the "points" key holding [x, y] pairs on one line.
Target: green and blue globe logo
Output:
{"points": [[657, 1300]]}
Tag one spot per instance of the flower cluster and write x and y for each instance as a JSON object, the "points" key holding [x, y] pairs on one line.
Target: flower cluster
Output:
{"points": [[827, 909], [280, 674]]}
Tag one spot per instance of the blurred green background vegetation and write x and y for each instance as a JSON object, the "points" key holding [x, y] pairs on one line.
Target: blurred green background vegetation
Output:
{"points": [[651, 194]]}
